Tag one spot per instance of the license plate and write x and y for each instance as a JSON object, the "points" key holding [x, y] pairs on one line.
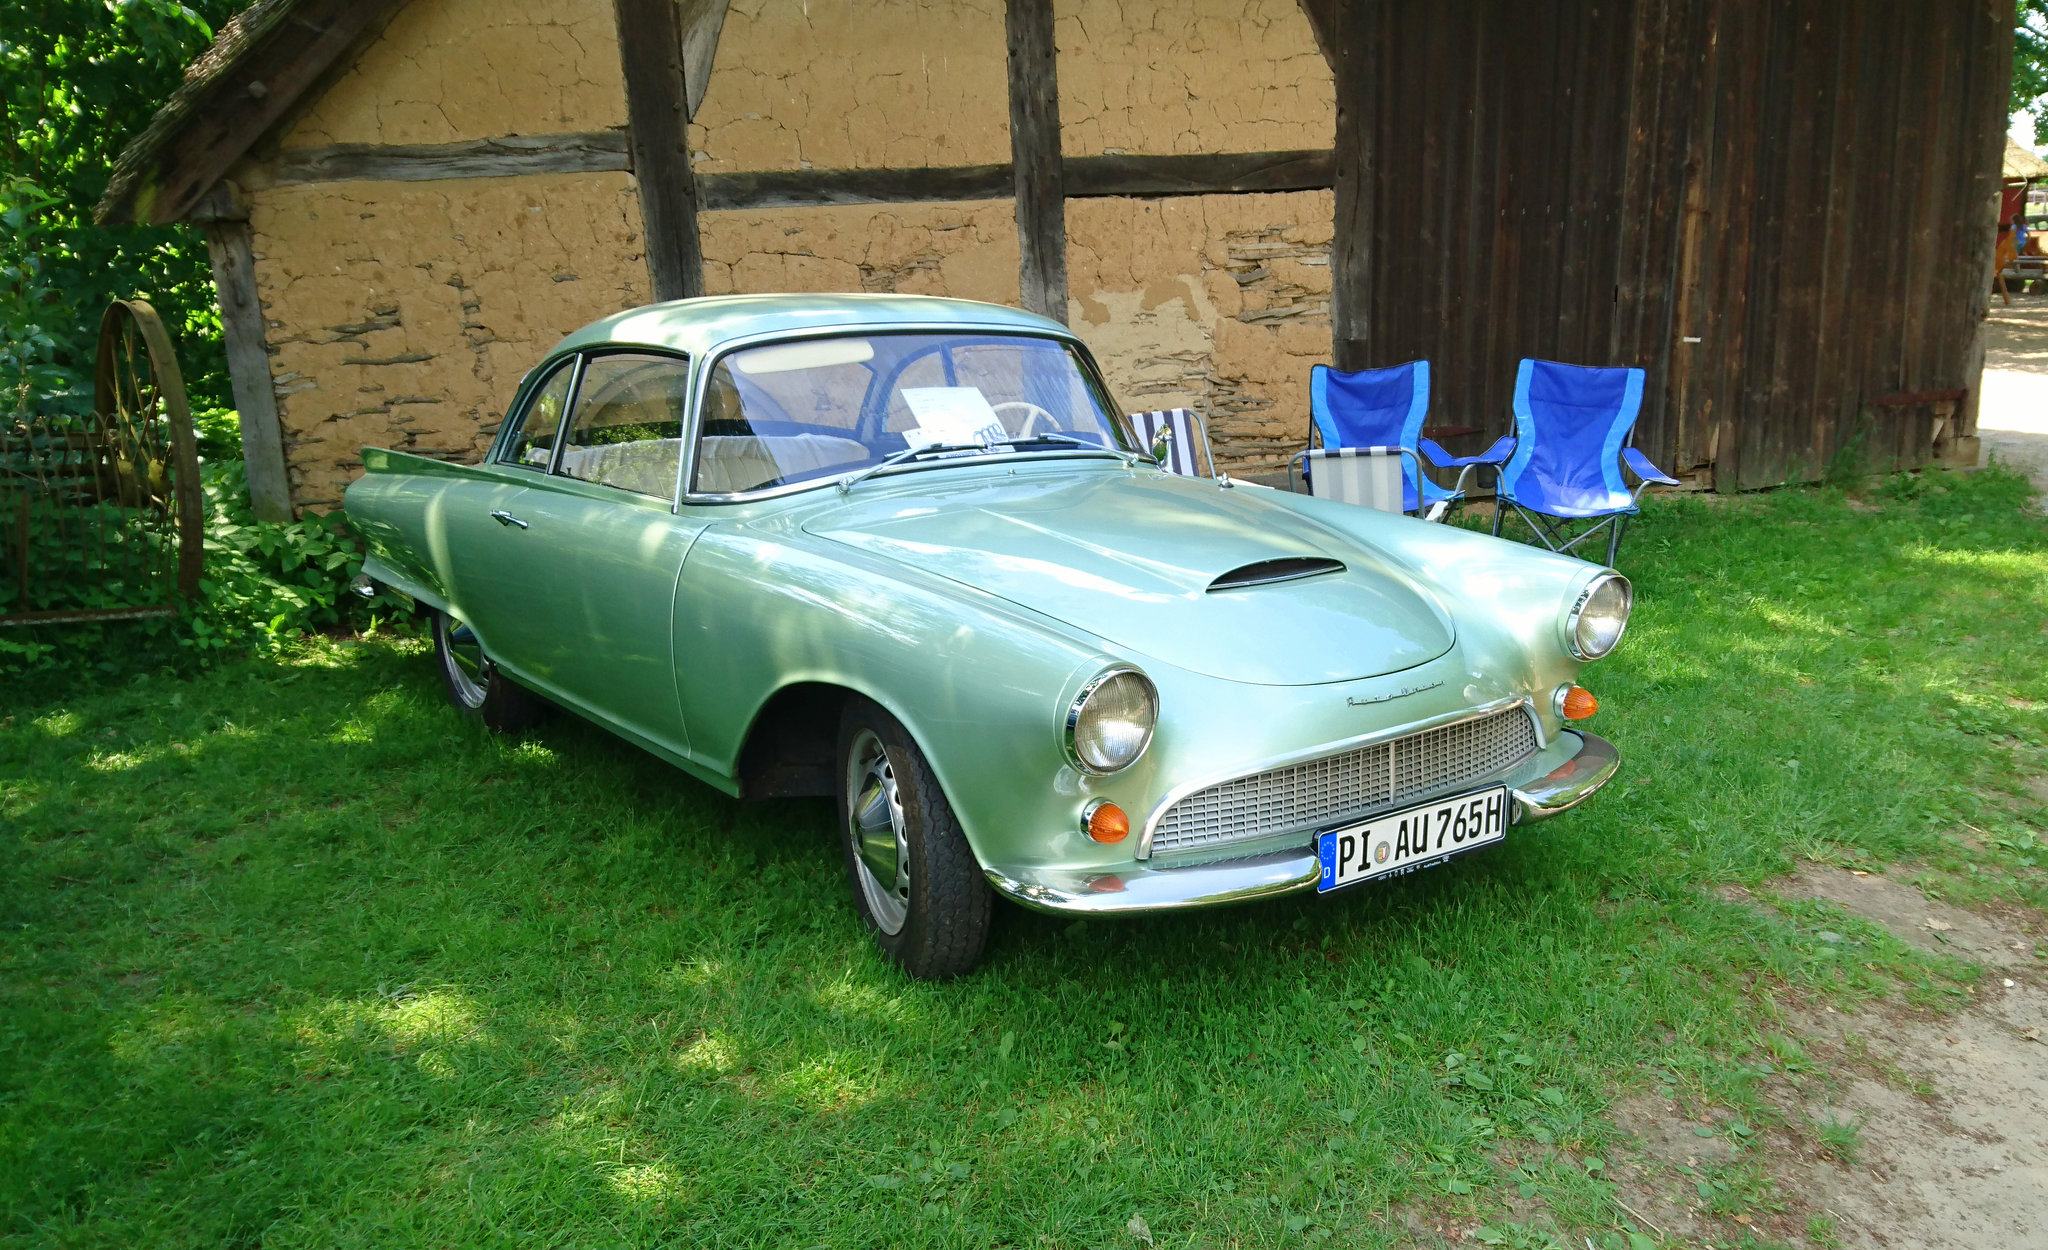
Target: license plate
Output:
{"points": [[1417, 838]]}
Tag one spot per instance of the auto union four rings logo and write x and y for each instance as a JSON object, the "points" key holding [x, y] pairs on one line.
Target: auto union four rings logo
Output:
{"points": [[1390, 696]]}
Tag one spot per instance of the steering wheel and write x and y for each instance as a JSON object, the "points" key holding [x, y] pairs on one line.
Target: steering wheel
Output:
{"points": [[1032, 415]]}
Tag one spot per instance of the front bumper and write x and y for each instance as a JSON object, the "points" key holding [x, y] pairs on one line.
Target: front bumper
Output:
{"points": [[1148, 887]]}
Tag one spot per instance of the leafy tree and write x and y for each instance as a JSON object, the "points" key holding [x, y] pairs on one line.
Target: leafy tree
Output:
{"points": [[78, 80], [2030, 65]]}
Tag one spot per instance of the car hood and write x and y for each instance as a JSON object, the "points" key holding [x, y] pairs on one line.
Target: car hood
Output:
{"points": [[1134, 559]]}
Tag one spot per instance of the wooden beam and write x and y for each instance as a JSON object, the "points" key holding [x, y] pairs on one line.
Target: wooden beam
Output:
{"points": [[241, 319], [257, 70], [603, 151], [657, 112], [806, 188], [1347, 31], [1217, 173], [1035, 157], [607, 152]]}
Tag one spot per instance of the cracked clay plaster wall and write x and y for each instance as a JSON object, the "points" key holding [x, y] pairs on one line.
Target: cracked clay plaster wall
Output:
{"points": [[1215, 302], [966, 250], [1193, 76], [445, 71], [404, 314], [855, 84]]}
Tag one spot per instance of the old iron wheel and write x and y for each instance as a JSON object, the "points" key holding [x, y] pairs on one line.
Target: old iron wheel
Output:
{"points": [[475, 686], [915, 881]]}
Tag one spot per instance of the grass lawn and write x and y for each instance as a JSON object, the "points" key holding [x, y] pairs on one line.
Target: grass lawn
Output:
{"points": [[291, 955]]}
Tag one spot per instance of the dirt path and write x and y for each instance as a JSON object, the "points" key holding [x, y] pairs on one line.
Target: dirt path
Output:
{"points": [[1950, 1147], [2013, 421]]}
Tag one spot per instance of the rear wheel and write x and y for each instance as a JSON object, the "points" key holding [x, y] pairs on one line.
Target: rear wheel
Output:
{"points": [[916, 882], [474, 684]]}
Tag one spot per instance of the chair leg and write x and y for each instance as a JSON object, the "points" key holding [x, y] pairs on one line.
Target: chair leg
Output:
{"points": [[1614, 539], [1500, 506]]}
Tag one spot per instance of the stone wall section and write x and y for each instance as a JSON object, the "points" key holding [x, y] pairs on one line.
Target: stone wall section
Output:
{"points": [[855, 84], [1220, 303], [1193, 76], [403, 315], [445, 71]]}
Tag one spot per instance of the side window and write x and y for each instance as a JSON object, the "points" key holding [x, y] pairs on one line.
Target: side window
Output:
{"points": [[628, 428], [534, 438]]}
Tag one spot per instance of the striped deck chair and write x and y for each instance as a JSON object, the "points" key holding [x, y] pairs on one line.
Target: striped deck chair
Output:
{"points": [[1169, 435], [1371, 477]]}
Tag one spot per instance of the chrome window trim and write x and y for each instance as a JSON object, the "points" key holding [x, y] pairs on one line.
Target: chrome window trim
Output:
{"points": [[522, 403], [1342, 745], [1080, 700], [700, 376]]}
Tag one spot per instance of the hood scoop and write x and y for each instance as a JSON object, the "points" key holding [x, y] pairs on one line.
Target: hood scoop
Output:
{"points": [[1266, 572], [1226, 583]]}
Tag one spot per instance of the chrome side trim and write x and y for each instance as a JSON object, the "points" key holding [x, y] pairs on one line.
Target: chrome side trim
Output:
{"points": [[1181, 791]]}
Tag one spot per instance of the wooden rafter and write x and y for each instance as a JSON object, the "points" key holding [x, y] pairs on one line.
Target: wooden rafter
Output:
{"points": [[262, 64]]}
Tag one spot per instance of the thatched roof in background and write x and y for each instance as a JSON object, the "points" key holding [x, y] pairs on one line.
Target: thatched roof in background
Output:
{"points": [[2022, 165]]}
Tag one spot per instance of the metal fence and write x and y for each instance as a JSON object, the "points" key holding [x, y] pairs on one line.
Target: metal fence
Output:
{"points": [[101, 514]]}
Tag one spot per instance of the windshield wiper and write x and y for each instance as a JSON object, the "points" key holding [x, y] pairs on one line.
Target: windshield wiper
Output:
{"points": [[1071, 441], [851, 480]]}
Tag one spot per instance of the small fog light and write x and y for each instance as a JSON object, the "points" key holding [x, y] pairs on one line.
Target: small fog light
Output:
{"points": [[1105, 821], [1576, 702]]}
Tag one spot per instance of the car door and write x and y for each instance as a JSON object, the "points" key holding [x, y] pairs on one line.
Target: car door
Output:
{"points": [[614, 546], [479, 542]]}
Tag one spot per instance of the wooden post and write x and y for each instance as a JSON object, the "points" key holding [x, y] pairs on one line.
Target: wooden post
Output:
{"points": [[1988, 149], [1035, 158], [241, 319], [1347, 31], [657, 114]]}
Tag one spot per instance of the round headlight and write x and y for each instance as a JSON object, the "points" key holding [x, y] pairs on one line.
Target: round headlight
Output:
{"points": [[1600, 616], [1109, 724]]}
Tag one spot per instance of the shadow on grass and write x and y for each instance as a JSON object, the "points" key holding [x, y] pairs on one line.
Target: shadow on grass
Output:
{"points": [[294, 954]]}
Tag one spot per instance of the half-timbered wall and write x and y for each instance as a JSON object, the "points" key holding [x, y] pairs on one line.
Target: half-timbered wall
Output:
{"points": [[403, 313], [1779, 208]]}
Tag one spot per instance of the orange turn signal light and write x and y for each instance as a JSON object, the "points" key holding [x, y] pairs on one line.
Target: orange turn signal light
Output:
{"points": [[1106, 822], [1578, 703]]}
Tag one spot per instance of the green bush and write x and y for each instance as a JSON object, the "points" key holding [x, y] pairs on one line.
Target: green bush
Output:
{"points": [[265, 584]]}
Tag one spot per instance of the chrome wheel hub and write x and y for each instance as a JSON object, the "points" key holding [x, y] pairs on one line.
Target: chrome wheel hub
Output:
{"points": [[874, 829], [468, 670]]}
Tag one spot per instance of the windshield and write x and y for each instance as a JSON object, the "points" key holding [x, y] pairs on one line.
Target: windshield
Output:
{"points": [[815, 408]]}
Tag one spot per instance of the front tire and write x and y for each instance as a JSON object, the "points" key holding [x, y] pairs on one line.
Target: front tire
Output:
{"points": [[916, 883], [475, 686]]}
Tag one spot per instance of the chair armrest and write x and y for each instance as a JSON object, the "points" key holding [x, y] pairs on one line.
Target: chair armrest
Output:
{"points": [[1639, 464], [1502, 448]]}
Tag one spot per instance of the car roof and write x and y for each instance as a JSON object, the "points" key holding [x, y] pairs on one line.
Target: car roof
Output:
{"points": [[699, 326]]}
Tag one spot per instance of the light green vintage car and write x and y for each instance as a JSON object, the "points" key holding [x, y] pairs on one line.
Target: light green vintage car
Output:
{"points": [[904, 552]]}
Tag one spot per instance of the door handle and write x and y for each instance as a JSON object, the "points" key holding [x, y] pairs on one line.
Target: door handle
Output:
{"points": [[503, 517]]}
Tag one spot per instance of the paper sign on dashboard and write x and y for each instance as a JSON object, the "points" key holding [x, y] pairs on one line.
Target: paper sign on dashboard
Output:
{"points": [[951, 414]]}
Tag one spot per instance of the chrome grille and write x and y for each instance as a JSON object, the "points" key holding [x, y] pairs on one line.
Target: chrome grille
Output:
{"points": [[1349, 785]]}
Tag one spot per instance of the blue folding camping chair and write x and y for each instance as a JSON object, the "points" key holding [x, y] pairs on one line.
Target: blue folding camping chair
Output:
{"points": [[1385, 408], [1572, 429]]}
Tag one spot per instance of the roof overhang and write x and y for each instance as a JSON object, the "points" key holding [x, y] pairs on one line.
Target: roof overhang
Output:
{"points": [[261, 65]]}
